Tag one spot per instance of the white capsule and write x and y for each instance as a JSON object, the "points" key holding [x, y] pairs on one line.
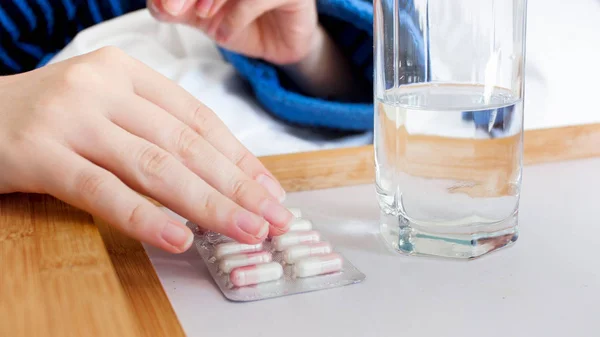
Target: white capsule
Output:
{"points": [[296, 212], [299, 224], [295, 253], [289, 239], [229, 248], [248, 275], [318, 265], [230, 262]]}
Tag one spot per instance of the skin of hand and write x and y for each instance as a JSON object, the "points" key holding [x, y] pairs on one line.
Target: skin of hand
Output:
{"points": [[98, 130], [283, 32]]}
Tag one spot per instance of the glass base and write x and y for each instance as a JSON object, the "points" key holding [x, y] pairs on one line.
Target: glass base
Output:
{"points": [[469, 243]]}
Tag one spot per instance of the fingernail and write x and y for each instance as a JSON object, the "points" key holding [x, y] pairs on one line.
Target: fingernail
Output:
{"points": [[276, 214], [252, 224], [173, 7], [204, 8], [177, 236], [272, 186]]}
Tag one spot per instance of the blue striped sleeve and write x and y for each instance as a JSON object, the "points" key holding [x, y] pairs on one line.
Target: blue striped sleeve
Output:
{"points": [[32, 31], [69, 8], [48, 15], [32, 50], [9, 63], [27, 13], [115, 7], [8, 24], [95, 11]]}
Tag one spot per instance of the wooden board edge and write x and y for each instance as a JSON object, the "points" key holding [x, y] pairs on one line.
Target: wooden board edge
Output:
{"points": [[356, 165], [151, 307]]}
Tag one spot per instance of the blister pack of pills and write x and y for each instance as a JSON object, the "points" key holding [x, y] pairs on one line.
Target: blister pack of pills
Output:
{"points": [[296, 262]]}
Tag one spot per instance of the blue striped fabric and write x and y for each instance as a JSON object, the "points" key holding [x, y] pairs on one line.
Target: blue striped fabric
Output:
{"points": [[32, 31], [28, 13], [48, 13], [69, 7]]}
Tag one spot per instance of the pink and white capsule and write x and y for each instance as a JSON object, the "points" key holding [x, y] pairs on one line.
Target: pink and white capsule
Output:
{"points": [[318, 265], [282, 242], [295, 253], [299, 224], [230, 262], [230, 248], [255, 274]]}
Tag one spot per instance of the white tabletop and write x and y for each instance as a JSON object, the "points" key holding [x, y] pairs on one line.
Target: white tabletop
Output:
{"points": [[548, 284]]}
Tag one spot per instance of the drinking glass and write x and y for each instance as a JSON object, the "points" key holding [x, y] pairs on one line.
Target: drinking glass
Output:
{"points": [[449, 90]]}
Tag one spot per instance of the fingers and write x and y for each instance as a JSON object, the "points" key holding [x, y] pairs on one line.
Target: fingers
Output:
{"points": [[154, 172], [175, 100], [95, 190], [238, 15], [171, 10], [196, 13], [148, 121], [184, 8], [207, 8]]}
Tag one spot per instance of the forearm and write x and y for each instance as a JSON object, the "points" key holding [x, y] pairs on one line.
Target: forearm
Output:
{"points": [[324, 72]]}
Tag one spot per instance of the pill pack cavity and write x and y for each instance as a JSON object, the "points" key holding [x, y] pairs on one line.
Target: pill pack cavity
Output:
{"points": [[298, 261]]}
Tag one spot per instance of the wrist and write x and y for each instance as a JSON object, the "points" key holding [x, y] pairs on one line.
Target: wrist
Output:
{"points": [[316, 48], [323, 71], [306, 58]]}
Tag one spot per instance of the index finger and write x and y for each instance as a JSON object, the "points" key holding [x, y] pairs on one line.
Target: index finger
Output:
{"points": [[174, 99]]}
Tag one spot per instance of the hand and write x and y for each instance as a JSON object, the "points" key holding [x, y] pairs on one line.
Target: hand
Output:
{"points": [[96, 129], [278, 31], [283, 32]]}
